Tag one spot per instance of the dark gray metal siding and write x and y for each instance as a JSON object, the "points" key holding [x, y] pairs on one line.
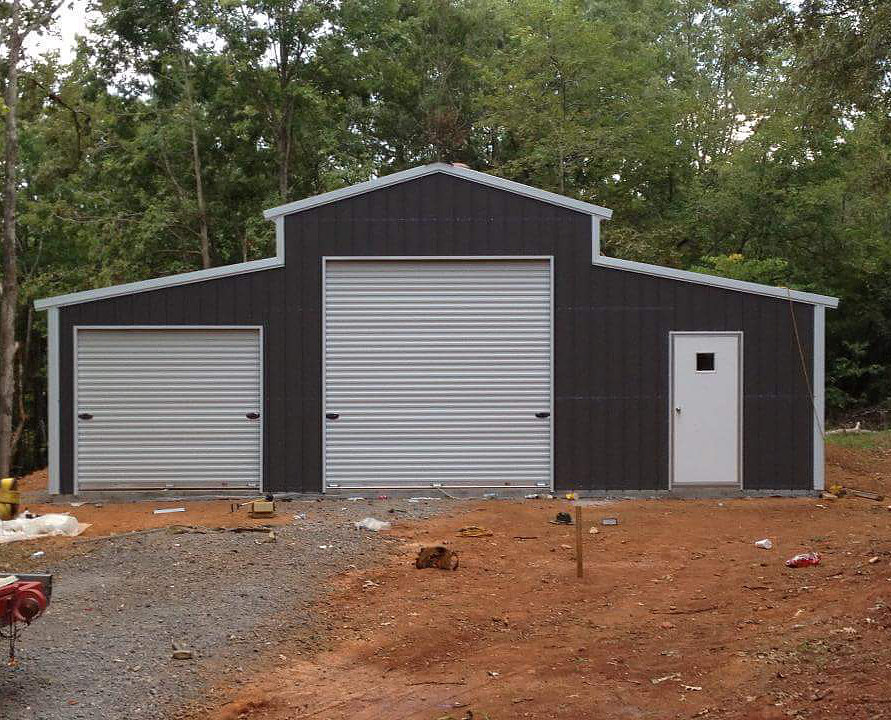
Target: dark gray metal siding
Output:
{"points": [[611, 336]]}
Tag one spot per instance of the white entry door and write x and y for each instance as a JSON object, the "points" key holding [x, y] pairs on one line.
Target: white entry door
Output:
{"points": [[706, 408]]}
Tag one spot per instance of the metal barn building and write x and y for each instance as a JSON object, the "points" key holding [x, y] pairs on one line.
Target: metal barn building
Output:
{"points": [[437, 327]]}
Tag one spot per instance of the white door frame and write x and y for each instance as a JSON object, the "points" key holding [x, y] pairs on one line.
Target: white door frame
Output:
{"points": [[421, 258], [260, 339], [671, 415]]}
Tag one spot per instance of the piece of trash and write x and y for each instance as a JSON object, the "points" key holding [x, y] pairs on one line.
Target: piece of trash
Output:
{"points": [[181, 653], [593, 530], [355, 498], [490, 496], [570, 496], [764, 544], [40, 553], [436, 556], [872, 560], [532, 496], [164, 511], [609, 521], [866, 494], [493, 673], [270, 538], [325, 547], [300, 516], [525, 537], [383, 497], [474, 531], [370, 523], [693, 688], [659, 680], [421, 499], [77, 504], [563, 518], [803, 560], [24, 528]]}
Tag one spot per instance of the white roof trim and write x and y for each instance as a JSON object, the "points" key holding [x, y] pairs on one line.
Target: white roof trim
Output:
{"points": [[453, 170], [173, 280], [702, 278]]}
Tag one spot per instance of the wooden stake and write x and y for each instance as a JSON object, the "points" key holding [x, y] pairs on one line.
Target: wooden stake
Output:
{"points": [[579, 563]]}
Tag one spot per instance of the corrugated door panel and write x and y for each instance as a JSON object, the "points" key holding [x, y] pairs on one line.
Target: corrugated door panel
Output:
{"points": [[436, 370], [169, 408]]}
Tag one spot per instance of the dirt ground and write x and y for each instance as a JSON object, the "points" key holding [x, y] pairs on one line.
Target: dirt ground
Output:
{"points": [[678, 615]]}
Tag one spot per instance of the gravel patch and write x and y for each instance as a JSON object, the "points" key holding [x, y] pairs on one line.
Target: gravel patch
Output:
{"points": [[104, 648]]}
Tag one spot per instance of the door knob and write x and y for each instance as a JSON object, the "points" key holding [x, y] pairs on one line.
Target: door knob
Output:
{"points": [[678, 409], [542, 415], [252, 415], [332, 416], [85, 416]]}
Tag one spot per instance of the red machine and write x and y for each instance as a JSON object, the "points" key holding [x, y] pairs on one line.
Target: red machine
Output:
{"points": [[23, 598]]}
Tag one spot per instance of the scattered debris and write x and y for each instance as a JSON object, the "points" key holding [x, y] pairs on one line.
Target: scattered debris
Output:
{"points": [[421, 499], [474, 531], [866, 494], [164, 511], [525, 537], [532, 496], [262, 508], [692, 688], [181, 653], [820, 694], [659, 680], [873, 560], [593, 530], [493, 673], [370, 523], [31, 528], [270, 538], [804, 560], [856, 430], [355, 498], [563, 518], [40, 553], [570, 496], [764, 544], [436, 556], [609, 521], [77, 504]]}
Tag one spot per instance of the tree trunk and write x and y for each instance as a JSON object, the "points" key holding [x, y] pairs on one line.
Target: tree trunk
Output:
{"points": [[196, 165], [10, 276], [284, 152]]}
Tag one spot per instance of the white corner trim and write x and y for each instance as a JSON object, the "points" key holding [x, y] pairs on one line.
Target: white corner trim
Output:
{"points": [[703, 279], [818, 379], [455, 171], [52, 399], [173, 280]]}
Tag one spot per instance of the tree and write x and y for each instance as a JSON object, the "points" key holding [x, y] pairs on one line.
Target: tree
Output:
{"points": [[20, 22]]}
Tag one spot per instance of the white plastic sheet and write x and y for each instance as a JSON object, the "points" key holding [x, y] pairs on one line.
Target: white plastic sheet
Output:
{"points": [[23, 528]]}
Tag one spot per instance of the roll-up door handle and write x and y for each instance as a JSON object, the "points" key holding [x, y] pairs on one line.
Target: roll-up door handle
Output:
{"points": [[542, 415], [332, 416], [252, 415], [85, 416]]}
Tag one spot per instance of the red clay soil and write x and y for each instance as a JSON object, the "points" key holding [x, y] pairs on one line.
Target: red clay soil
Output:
{"points": [[678, 615]]}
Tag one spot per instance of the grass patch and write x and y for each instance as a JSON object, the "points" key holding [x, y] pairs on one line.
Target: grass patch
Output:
{"points": [[880, 440]]}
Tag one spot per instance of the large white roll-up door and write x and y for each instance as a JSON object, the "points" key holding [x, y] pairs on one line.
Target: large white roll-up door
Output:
{"points": [[437, 372], [168, 408]]}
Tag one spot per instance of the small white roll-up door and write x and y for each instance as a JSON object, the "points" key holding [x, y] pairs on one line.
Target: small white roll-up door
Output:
{"points": [[437, 372], [168, 408]]}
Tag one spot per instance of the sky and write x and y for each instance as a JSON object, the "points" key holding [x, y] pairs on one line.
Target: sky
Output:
{"points": [[71, 20]]}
